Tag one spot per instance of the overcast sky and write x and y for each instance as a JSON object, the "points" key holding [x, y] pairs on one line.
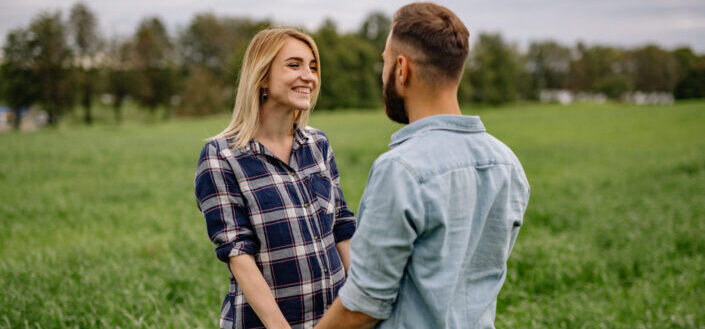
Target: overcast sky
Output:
{"points": [[627, 23]]}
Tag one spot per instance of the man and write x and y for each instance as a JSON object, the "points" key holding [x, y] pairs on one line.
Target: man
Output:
{"points": [[443, 207]]}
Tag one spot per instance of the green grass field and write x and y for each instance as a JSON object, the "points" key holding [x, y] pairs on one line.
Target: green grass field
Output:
{"points": [[100, 227]]}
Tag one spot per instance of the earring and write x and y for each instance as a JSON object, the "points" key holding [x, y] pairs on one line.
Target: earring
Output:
{"points": [[263, 94]]}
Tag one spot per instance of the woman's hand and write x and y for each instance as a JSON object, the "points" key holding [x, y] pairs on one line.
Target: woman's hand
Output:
{"points": [[257, 292]]}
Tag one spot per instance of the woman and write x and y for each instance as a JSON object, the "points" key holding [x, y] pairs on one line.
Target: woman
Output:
{"points": [[268, 188]]}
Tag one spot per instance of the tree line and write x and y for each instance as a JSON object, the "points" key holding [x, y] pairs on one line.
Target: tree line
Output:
{"points": [[59, 64]]}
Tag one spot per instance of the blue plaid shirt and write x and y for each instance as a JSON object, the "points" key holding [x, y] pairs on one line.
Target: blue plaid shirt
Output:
{"points": [[288, 216]]}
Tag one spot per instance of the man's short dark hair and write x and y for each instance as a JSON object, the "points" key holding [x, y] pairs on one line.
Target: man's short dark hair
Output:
{"points": [[439, 36]]}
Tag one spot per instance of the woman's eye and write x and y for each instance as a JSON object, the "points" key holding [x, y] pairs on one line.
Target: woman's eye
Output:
{"points": [[314, 68], [293, 65]]}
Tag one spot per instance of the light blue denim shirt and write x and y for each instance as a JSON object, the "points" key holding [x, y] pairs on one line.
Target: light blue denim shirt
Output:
{"points": [[437, 222]]}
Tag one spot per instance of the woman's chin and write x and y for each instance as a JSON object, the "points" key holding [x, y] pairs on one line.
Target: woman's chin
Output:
{"points": [[301, 106]]}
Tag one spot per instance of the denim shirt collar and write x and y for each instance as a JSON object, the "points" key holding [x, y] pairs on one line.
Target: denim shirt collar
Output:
{"points": [[465, 123]]}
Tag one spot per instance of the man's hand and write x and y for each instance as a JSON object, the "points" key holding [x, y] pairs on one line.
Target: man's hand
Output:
{"points": [[338, 317]]}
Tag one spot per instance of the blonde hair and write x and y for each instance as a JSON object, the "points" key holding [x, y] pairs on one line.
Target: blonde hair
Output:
{"points": [[255, 69]]}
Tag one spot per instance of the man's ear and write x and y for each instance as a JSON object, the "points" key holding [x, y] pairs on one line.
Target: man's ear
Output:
{"points": [[403, 70]]}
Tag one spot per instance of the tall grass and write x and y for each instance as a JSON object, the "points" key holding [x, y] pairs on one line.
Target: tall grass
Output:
{"points": [[100, 227]]}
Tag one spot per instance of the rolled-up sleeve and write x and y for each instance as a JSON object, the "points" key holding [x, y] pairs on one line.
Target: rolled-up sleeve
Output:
{"points": [[345, 221], [219, 198], [390, 218]]}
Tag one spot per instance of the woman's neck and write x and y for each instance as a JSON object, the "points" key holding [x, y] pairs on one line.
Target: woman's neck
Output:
{"points": [[275, 124], [276, 131]]}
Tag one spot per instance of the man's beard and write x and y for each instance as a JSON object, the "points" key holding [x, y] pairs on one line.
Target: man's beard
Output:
{"points": [[393, 103]]}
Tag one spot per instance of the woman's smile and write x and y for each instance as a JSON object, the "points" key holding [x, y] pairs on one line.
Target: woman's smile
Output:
{"points": [[302, 90]]}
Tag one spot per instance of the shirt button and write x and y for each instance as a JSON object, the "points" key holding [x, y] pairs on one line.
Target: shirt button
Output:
{"points": [[325, 270], [306, 205]]}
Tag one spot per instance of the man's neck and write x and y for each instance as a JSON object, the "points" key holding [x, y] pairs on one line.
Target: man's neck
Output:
{"points": [[427, 103]]}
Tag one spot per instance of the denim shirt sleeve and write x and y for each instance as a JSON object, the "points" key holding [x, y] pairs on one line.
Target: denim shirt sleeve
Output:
{"points": [[390, 218], [219, 198], [345, 222]]}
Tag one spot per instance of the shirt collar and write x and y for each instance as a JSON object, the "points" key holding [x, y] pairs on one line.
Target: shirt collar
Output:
{"points": [[464, 123], [301, 137]]}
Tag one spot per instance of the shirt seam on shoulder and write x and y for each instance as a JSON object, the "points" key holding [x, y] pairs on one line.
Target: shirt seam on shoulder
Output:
{"points": [[465, 166], [408, 168], [224, 159]]}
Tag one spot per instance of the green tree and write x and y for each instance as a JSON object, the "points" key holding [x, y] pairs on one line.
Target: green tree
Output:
{"points": [[19, 88], [686, 60], [614, 85], [86, 44], [691, 74], [207, 46], [202, 94], [653, 69], [363, 63], [692, 83], [120, 75], [375, 29], [549, 65], [155, 79], [209, 41], [244, 29], [333, 90], [598, 69], [465, 90], [494, 71], [51, 63], [349, 77]]}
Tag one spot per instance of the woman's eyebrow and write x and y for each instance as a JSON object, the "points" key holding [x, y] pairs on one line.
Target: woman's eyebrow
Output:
{"points": [[295, 59]]}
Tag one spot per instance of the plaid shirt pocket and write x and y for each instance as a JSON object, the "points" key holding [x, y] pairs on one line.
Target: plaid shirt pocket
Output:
{"points": [[322, 189]]}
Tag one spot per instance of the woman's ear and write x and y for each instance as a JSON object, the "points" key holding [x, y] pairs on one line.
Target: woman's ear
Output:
{"points": [[263, 94]]}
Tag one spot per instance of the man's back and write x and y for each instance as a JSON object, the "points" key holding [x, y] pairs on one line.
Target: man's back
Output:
{"points": [[438, 219]]}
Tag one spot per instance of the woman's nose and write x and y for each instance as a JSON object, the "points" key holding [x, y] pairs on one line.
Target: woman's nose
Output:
{"points": [[308, 75]]}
